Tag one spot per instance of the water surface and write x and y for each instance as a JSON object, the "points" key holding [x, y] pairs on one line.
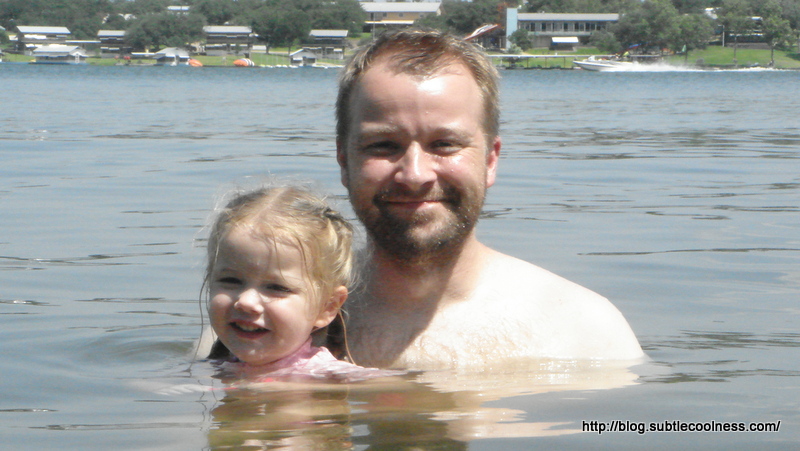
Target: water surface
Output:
{"points": [[674, 194]]}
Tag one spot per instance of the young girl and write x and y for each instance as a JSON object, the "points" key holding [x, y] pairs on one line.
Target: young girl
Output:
{"points": [[279, 264]]}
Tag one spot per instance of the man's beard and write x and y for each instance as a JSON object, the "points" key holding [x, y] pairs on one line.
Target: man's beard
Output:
{"points": [[404, 240]]}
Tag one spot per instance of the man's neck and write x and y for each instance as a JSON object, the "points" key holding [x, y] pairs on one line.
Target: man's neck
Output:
{"points": [[425, 283]]}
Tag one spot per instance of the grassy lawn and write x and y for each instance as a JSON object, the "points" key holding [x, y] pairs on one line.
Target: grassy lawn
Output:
{"points": [[717, 56], [712, 56], [260, 59]]}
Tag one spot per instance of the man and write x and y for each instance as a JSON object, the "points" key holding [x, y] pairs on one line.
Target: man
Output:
{"points": [[418, 145]]}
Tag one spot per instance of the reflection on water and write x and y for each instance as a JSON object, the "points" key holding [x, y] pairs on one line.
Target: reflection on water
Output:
{"points": [[425, 410]]}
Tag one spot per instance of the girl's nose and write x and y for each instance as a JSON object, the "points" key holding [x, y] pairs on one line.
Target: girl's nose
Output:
{"points": [[249, 301]]}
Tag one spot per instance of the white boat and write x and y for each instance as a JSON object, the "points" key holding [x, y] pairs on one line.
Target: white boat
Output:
{"points": [[603, 64]]}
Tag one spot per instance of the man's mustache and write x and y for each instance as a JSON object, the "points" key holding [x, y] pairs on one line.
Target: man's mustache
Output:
{"points": [[399, 193]]}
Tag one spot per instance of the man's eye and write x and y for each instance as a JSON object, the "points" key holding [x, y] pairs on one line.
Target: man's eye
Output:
{"points": [[446, 147], [381, 148]]}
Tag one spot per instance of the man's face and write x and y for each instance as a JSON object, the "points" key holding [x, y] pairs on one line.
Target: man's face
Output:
{"points": [[415, 160]]}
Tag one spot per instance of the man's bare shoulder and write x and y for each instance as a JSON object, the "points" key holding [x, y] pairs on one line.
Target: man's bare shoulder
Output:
{"points": [[569, 320]]}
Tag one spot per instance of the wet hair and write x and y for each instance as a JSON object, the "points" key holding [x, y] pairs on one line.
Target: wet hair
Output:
{"points": [[294, 215], [423, 53]]}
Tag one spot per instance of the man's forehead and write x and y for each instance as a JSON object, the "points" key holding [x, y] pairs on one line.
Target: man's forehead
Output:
{"points": [[398, 65]]}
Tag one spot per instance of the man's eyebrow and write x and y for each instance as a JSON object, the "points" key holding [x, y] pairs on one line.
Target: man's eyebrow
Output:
{"points": [[376, 129], [367, 132]]}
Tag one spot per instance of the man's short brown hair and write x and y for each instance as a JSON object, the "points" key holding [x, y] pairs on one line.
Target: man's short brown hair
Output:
{"points": [[423, 53]]}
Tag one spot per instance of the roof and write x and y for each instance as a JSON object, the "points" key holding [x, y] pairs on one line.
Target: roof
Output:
{"points": [[57, 50], [303, 53], [225, 29], [389, 22], [404, 7], [43, 30], [566, 17], [111, 33], [565, 40], [328, 33], [172, 52]]}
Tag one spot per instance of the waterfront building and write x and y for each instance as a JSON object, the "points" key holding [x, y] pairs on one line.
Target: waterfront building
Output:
{"points": [[226, 38], [557, 30], [112, 41], [31, 37], [331, 42], [59, 54], [397, 15], [172, 56]]}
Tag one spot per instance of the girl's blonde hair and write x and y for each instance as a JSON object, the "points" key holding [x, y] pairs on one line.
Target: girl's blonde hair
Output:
{"points": [[295, 215]]}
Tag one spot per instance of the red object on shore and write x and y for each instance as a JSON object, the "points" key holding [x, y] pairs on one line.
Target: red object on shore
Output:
{"points": [[244, 62]]}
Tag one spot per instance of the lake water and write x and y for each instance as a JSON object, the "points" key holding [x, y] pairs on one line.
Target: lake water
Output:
{"points": [[675, 194]]}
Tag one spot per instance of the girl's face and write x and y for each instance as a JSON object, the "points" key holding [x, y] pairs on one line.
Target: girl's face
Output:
{"points": [[262, 306]]}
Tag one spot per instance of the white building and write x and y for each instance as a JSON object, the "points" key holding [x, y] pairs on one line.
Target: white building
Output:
{"points": [[550, 29], [397, 14]]}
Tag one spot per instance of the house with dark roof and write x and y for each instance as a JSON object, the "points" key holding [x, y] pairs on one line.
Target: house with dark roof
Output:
{"points": [[331, 43], [112, 41], [225, 38]]}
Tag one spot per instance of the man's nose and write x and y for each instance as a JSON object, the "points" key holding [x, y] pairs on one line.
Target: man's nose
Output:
{"points": [[250, 301], [415, 168]]}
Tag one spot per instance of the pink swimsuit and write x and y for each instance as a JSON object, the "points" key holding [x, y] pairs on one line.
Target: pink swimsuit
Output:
{"points": [[313, 362]]}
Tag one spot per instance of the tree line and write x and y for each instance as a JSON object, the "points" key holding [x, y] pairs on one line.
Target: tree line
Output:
{"points": [[664, 24], [148, 23]]}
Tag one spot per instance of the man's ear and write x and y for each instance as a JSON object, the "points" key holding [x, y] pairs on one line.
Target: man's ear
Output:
{"points": [[341, 158], [331, 307], [492, 158]]}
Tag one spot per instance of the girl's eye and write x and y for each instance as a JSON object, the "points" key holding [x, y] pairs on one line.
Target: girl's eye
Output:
{"points": [[278, 288], [229, 281]]}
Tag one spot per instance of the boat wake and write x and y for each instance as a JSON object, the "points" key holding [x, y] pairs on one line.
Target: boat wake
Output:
{"points": [[650, 67], [634, 66]]}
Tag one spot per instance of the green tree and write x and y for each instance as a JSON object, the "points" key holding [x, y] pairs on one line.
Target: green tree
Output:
{"points": [[115, 22], [341, 15], [693, 32], [285, 26], [463, 17], [141, 8], [579, 6], [654, 23], [736, 19], [605, 41], [165, 30], [790, 10], [778, 33], [521, 38], [692, 6], [216, 12], [82, 17]]}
